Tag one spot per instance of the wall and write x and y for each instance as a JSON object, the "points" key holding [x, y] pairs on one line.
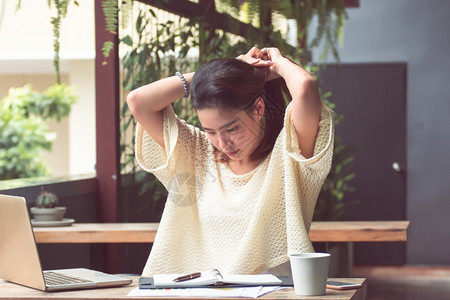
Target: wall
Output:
{"points": [[415, 32], [81, 135], [27, 32]]}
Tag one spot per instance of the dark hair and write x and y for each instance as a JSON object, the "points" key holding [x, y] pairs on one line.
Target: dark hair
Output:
{"points": [[231, 84]]}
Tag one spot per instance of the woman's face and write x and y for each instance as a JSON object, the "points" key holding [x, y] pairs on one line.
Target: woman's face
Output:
{"points": [[237, 134]]}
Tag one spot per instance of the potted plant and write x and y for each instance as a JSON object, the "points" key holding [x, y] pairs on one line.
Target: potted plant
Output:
{"points": [[46, 208]]}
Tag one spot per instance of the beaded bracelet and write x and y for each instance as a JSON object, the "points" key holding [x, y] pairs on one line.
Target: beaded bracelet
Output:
{"points": [[185, 85]]}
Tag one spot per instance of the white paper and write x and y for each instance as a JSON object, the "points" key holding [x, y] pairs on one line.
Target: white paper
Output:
{"points": [[263, 279], [244, 292]]}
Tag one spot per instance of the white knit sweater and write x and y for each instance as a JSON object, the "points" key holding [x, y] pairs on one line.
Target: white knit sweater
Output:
{"points": [[239, 224]]}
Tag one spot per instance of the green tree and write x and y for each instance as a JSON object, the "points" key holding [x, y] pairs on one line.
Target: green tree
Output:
{"points": [[24, 133]]}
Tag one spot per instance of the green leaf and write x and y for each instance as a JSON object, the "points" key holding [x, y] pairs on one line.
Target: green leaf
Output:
{"points": [[107, 47], [349, 177], [127, 40]]}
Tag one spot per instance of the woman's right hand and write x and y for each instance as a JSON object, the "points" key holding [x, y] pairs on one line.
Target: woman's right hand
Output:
{"points": [[266, 57]]}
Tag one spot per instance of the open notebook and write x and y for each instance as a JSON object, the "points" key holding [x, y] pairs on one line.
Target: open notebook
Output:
{"points": [[19, 259], [213, 278]]}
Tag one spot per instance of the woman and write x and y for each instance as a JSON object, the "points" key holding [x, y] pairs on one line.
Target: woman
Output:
{"points": [[242, 191]]}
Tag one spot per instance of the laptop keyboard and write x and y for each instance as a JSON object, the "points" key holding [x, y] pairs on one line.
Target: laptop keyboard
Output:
{"points": [[54, 278]]}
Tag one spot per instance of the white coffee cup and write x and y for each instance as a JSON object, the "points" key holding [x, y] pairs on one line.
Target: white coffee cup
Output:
{"points": [[310, 273]]}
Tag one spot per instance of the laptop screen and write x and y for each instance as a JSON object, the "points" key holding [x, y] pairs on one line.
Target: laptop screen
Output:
{"points": [[19, 259]]}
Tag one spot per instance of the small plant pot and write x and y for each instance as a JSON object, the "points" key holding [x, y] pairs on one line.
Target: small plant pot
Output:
{"points": [[48, 214]]}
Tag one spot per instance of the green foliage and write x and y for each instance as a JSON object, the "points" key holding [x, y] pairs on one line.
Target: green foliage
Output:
{"points": [[331, 20], [113, 9], [150, 57], [330, 15], [126, 10], [332, 205], [21, 143], [110, 10], [107, 47], [55, 102], [153, 52], [61, 7], [46, 199], [24, 133]]}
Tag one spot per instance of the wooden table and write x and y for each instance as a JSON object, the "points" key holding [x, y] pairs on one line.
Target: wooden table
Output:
{"points": [[18, 292], [361, 231]]}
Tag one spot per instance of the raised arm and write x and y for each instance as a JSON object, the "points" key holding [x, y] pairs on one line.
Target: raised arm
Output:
{"points": [[147, 103], [306, 103]]}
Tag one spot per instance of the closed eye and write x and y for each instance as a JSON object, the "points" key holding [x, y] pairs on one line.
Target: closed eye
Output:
{"points": [[232, 130]]}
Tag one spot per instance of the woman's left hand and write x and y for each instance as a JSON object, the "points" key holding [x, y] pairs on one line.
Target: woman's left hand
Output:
{"points": [[255, 58], [274, 56]]}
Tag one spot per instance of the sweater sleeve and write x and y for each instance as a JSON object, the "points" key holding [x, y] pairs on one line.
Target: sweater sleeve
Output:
{"points": [[183, 145], [154, 158], [324, 141], [309, 174]]}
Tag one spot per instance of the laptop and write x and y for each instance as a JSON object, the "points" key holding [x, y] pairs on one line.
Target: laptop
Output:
{"points": [[19, 258]]}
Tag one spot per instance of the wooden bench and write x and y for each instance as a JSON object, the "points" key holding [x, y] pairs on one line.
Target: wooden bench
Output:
{"points": [[334, 231]]}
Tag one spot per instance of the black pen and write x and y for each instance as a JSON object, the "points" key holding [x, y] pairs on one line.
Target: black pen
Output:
{"points": [[188, 277]]}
